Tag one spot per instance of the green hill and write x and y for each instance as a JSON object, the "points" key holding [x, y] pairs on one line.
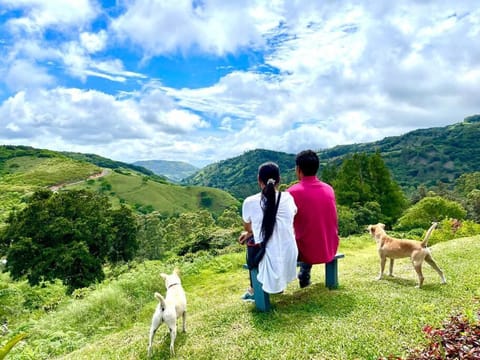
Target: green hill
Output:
{"points": [[24, 169], [238, 175], [424, 156], [147, 195]]}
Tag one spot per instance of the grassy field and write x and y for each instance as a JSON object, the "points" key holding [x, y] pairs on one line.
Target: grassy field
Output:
{"points": [[136, 189], [363, 319], [34, 171]]}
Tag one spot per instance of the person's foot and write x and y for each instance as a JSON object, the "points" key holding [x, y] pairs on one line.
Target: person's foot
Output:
{"points": [[304, 283], [303, 279], [248, 297]]}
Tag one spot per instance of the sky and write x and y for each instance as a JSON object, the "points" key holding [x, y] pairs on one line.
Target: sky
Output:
{"points": [[206, 80]]}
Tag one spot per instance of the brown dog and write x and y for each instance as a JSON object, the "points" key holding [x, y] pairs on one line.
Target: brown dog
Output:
{"points": [[389, 247]]}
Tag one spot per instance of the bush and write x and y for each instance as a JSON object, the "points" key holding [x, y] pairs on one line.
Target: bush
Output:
{"points": [[347, 224], [434, 208], [458, 339], [447, 231]]}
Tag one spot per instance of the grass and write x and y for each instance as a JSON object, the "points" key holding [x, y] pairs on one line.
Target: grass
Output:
{"points": [[170, 199], [34, 171], [363, 319]]}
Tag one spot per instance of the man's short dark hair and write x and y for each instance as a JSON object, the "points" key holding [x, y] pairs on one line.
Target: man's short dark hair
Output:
{"points": [[307, 161]]}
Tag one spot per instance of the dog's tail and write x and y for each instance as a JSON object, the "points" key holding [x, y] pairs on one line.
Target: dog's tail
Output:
{"points": [[160, 298], [428, 234]]}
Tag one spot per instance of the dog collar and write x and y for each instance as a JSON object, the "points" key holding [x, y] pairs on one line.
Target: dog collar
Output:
{"points": [[169, 286]]}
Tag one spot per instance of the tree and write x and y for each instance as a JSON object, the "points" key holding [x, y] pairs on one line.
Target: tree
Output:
{"points": [[430, 209], [150, 237], [124, 241], [230, 218], [473, 204], [364, 179], [68, 236]]}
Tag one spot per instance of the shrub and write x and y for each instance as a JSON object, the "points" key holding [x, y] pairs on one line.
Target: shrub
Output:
{"points": [[434, 208], [347, 224], [458, 339], [447, 231]]}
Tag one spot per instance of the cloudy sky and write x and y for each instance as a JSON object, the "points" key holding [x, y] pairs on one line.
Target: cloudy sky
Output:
{"points": [[205, 80]]}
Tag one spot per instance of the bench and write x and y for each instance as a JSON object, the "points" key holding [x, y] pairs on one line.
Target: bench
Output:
{"points": [[262, 299]]}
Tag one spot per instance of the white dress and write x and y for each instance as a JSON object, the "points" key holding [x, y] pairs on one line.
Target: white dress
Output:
{"points": [[279, 265]]}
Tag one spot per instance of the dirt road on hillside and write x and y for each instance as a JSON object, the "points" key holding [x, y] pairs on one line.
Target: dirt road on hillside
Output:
{"points": [[91, 177]]}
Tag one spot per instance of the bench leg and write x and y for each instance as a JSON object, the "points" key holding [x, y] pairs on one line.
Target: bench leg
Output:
{"points": [[331, 274], [262, 299]]}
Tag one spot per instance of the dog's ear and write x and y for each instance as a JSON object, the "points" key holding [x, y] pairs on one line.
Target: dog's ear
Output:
{"points": [[176, 271], [381, 225]]}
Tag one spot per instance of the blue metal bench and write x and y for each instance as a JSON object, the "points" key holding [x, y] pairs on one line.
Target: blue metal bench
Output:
{"points": [[262, 299]]}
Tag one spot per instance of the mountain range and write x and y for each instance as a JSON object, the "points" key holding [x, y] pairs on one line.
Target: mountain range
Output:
{"points": [[424, 156]]}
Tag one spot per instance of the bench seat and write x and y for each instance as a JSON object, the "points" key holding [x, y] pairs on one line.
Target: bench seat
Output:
{"points": [[262, 299]]}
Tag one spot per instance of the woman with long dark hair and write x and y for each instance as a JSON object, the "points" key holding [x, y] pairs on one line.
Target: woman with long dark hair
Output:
{"points": [[268, 216]]}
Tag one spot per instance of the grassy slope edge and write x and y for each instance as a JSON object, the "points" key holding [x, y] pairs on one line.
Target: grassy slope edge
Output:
{"points": [[363, 319]]}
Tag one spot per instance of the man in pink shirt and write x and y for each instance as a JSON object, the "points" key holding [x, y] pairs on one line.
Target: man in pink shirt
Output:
{"points": [[316, 222]]}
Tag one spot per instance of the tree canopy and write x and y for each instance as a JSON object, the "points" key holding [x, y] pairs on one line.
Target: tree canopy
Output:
{"points": [[68, 236], [364, 184]]}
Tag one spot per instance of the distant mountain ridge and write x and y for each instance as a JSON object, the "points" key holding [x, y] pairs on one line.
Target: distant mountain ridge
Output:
{"points": [[423, 156], [238, 175], [173, 170]]}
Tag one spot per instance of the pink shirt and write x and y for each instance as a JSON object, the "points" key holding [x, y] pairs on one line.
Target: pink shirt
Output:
{"points": [[316, 223]]}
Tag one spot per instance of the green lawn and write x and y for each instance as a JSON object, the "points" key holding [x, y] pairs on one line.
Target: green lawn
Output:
{"points": [[363, 319]]}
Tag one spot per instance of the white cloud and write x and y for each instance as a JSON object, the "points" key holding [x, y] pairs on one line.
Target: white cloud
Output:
{"points": [[336, 73], [23, 74], [215, 27], [93, 42], [91, 118], [40, 14]]}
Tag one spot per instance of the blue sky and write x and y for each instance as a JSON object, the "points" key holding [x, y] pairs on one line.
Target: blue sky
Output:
{"points": [[205, 80]]}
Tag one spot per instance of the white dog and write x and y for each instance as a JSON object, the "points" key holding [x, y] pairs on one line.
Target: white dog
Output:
{"points": [[169, 309]]}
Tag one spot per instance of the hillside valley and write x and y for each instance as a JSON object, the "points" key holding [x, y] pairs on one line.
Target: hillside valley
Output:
{"points": [[24, 169], [173, 170]]}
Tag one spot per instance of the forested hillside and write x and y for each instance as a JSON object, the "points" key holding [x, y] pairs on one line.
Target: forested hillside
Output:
{"points": [[238, 175], [424, 156]]}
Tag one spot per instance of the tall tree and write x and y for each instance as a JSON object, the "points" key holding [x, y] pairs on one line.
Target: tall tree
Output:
{"points": [[365, 179], [67, 236]]}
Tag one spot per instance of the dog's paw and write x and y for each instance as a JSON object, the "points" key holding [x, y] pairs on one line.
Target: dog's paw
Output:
{"points": [[379, 278]]}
